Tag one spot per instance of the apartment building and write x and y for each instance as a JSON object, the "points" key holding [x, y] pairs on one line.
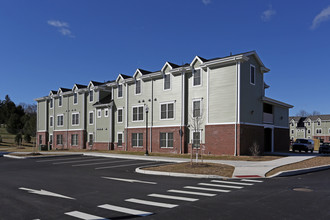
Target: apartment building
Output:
{"points": [[311, 127], [218, 105]]}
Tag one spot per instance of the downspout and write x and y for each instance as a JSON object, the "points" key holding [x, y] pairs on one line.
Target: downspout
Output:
{"points": [[126, 111], [182, 107], [67, 128], [238, 66], [152, 113], [110, 128]]}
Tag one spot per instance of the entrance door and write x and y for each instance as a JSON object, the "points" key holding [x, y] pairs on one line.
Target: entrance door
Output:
{"points": [[268, 139]]}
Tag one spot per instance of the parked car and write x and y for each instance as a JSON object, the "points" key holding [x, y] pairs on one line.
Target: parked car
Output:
{"points": [[324, 148], [303, 144]]}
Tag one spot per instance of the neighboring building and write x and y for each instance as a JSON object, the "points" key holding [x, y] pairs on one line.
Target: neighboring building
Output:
{"points": [[226, 96], [311, 127]]}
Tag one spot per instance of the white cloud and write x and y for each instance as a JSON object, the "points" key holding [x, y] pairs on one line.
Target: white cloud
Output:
{"points": [[266, 15], [206, 2], [324, 15], [62, 27]]}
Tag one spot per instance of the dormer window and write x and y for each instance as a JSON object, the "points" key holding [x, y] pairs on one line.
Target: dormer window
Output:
{"points": [[120, 91], [138, 87], [60, 101], [75, 98], [91, 95], [167, 81], [252, 75]]}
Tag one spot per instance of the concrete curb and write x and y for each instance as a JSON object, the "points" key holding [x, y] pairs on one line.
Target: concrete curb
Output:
{"points": [[161, 173], [300, 171]]}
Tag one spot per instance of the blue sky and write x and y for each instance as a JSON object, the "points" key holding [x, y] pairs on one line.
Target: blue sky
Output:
{"points": [[47, 44]]}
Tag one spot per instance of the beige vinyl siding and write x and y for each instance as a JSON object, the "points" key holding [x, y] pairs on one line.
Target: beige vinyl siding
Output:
{"points": [[222, 94], [42, 114], [251, 104], [281, 116], [102, 127], [61, 111]]}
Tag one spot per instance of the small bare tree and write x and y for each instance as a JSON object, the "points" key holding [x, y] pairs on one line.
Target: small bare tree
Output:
{"points": [[196, 121]]}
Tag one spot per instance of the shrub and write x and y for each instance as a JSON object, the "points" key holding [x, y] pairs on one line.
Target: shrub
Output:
{"points": [[27, 138], [18, 139], [255, 149]]}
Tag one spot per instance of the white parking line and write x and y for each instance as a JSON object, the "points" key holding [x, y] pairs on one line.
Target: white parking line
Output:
{"points": [[63, 159], [91, 164], [253, 181], [125, 210], [126, 165], [83, 215], [173, 197], [99, 159], [206, 189], [217, 185], [128, 180], [235, 183], [151, 203], [190, 192]]}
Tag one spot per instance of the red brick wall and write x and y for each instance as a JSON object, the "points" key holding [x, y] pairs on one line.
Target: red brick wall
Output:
{"points": [[67, 139], [44, 135], [281, 139], [220, 139], [100, 146], [325, 138]]}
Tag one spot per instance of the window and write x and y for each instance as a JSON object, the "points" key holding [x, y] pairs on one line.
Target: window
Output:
{"points": [[90, 139], [137, 139], [60, 120], [75, 118], [167, 81], [318, 131], [91, 118], [318, 123], [40, 139], [138, 113], [166, 140], [60, 101], [197, 77], [74, 139], [50, 139], [292, 124], [167, 111], [75, 98], [196, 139], [51, 103], [99, 113], [120, 116], [120, 139], [120, 91], [106, 112], [138, 87], [91, 95], [51, 121], [59, 139], [309, 123], [196, 108], [252, 75], [308, 131], [292, 131]]}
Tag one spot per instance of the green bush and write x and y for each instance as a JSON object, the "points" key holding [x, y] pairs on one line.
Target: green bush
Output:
{"points": [[18, 139]]}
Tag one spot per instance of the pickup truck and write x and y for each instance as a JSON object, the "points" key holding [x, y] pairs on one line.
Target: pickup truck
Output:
{"points": [[303, 144]]}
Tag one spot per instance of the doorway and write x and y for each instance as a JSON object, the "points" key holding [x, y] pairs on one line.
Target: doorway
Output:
{"points": [[268, 139]]}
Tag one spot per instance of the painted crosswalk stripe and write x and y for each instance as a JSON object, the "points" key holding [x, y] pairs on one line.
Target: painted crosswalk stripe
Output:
{"points": [[125, 210], [206, 189], [79, 161], [83, 215], [173, 197], [190, 192], [234, 183], [98, 163], [125, 165], [253, 181], [219, 185], [151, 203], [62, 159]]}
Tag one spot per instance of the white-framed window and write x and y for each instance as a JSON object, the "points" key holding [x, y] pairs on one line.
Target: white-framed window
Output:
{"points": [[59, 139], [91, 117], [74, 139], [167, 110], [106, 112], [99, 113], [75, 98], [166, 139], [51, 121], [196, 139], [292, 131], [318, 122], [120, 91], [292, 124], [252, 74], [197, 108], [60, 120], [75, 119], [137, 87], [120, 115], [308, 131], [120, 139], [197, 77], [309, 123], [51, 103], [137, 113], [91, 95], [167, 81], [319, 131], [137, 139], [60, 101], [90, 139]]}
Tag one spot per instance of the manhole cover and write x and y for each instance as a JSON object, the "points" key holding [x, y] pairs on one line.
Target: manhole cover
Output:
{"points": [[303, 190]]}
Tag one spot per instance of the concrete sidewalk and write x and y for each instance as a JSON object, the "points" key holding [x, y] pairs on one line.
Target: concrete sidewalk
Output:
{"points": [[243, 169]]}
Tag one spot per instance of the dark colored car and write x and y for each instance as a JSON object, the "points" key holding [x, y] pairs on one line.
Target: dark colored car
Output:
{"points": [[324, 148]]}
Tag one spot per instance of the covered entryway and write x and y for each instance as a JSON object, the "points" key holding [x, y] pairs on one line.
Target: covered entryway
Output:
{"points": [[268, 139]]}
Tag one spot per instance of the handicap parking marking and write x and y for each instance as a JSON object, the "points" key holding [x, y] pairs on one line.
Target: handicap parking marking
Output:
{"points": [[85, 216], [125, 210]]}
